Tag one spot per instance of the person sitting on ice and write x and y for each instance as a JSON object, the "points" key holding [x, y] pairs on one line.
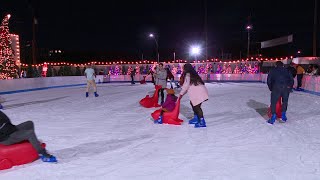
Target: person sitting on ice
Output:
{"points": [[11, 134], [168, 105]]}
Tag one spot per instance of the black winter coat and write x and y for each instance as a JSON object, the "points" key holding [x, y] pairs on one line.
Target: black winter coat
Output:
{"points": [[279, 78], [6, 128]]}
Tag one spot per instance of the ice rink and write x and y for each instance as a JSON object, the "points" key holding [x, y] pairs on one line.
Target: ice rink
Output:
{"points": [[113, 137]]}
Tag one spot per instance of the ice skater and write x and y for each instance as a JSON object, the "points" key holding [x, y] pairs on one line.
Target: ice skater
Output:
{"points": [[161, 79], [12, 134], [133, 73], [168, 105], [170, 77], [300, 72], [90, 75], [152, 76], [280, 82], [198, 93]]}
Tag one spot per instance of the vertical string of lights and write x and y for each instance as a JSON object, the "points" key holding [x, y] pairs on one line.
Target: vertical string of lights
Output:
{"points": [[8, 69]]}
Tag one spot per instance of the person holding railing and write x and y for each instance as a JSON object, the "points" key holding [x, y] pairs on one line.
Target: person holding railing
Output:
{"points": [[300, 72]]}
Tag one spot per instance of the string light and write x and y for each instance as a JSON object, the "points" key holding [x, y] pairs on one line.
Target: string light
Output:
{"points": [[168, 61]]}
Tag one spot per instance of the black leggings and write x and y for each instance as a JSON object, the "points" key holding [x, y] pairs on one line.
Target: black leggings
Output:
{"points": [[25, 132], [299, 79], [162, 94], [197, 110]]}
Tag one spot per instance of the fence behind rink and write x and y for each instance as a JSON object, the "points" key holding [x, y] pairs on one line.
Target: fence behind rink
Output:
{"points": [[109, 75], [125, 69]]}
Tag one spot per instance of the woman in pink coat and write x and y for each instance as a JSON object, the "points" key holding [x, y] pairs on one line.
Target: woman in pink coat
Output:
{"points": [[197, 92]]}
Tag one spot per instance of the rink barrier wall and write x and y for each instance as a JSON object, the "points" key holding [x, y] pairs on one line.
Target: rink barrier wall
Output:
{"points": [[311, 84]]}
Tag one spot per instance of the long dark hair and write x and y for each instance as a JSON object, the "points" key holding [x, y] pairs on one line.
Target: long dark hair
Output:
{"points": [[195, 79]]}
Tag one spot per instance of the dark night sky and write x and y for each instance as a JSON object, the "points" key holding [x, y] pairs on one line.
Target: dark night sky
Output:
{"points": [[115, 29]]}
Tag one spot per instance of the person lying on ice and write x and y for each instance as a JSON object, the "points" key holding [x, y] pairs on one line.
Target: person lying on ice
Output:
{"points": [[11, 134], [168, 105]]}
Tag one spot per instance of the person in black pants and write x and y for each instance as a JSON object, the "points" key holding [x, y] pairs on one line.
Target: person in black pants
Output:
{"points": [[300, 72], [133, 73], [11, 134], [170, 77], [280, 82], [161, 80], [152, 77], [293, 71]]}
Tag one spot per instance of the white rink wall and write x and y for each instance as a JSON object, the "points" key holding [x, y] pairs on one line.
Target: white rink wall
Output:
{"points": [[310, 83]]}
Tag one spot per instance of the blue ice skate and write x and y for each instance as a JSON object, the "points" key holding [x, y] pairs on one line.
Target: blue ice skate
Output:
{"points": [[201, 123], [283, 118], [1, 107], [158, 121], [194, 120], [87, 94], [96, 94], [272, 119], [48, 159]]}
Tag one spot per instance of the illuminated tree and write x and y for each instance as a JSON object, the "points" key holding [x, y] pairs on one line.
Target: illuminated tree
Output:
{"points": [[8, 68]]}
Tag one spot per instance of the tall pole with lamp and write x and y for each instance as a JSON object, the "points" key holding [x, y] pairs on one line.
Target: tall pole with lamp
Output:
{"points": [[155, 40], [249, 27]]}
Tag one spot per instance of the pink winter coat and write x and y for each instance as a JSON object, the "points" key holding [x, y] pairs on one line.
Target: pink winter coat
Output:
{"points": [[197, 94]]}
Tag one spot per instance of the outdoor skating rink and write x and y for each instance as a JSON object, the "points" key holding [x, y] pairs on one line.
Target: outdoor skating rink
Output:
{"points": [[112, 136]]}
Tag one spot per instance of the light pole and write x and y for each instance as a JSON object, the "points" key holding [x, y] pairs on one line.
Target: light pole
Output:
{"points": [[195, 51], [155, 40], [249, 27], [34, 43], [314, 53]]}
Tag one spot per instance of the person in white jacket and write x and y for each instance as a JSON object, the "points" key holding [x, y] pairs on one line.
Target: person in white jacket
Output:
{"points": [[90, 75], [161, 79]]}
